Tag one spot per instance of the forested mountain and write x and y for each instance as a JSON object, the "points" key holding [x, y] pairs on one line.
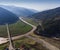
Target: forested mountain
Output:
{"points": [[7, 17], [48, 14], [20, 11], [50, 25]]}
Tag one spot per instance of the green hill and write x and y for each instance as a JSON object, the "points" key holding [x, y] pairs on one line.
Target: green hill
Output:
{"points": [[16, 26], [7, 17], [50, 23]]}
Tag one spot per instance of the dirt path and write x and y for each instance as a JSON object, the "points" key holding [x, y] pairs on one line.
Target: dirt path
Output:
{"points": [[34, 27], [44, 43], [17, 37]]}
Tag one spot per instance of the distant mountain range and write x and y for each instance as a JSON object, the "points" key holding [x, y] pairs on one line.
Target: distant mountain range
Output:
{"points": [[7, 17], [50, 25], [20, 11], [46, 15]]}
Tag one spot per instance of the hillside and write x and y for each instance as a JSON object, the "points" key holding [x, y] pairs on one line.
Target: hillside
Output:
{"points": [[20, 11], [17, 27], [50, 23], [46, 15], [7, 17]]}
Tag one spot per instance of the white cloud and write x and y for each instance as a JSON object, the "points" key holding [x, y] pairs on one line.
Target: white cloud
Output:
{"points": [[37, 6]]}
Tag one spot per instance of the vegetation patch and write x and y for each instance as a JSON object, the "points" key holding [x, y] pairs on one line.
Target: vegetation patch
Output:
{"points": [[25, 43], [55, 42], [31, 20], [18, 28]]}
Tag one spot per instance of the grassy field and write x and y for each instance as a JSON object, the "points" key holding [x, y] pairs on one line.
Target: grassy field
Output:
{"points": [[30, 20], [15, 29], [50, 40], [29, 43]]}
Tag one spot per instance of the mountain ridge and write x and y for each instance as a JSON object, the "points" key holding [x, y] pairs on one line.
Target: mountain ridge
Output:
{"points": [[7, 17], [50, 23], [19, 11], [46, 14]]}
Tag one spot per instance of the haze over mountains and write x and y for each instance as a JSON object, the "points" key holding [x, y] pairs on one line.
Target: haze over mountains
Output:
{"points": [[19, 11], [49, 19], [7, 17], [8, 13]]}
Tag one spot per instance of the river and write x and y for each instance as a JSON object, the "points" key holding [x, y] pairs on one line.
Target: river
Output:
{"points": [[3, 40]]}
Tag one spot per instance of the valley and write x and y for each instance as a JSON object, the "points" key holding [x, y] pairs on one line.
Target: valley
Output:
{"points": [[29, 29], [32, 41], [52, 41], [18, 28], [22, 36]]}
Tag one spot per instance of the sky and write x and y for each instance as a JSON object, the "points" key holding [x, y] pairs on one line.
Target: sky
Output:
{"points": [[39, 5]]}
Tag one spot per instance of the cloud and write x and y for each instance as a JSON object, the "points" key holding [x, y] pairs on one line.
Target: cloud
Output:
{"points": [[33, 4]]}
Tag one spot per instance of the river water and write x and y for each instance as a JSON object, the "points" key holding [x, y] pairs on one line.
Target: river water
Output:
{"points": [[3, 40]]}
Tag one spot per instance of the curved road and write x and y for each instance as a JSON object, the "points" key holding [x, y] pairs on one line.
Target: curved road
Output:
{"points": [[4, 40], [34, 27], [44, 43]]}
